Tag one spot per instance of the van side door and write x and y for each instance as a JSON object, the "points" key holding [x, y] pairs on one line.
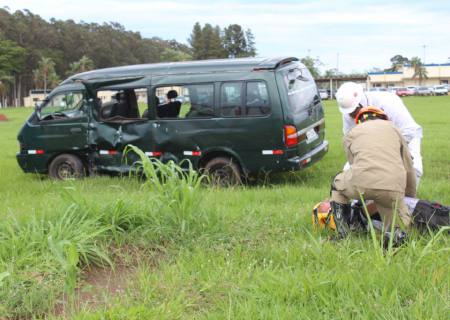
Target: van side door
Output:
{"points": [[184, 118], [120, 119]]}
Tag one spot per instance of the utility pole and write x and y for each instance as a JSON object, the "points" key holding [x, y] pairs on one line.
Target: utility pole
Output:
{"points": [[337, 62], [424, 56]]}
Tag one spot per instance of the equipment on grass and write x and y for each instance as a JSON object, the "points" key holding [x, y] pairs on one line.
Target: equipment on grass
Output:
{"points": [[322, 216], [430, 215], [398, 238], [341, 213], [426, 215], [353, 216]]}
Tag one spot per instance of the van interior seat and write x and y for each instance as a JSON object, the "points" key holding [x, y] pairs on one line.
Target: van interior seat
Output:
{"points": [[120, 108], [133, 111], [126, 105]]}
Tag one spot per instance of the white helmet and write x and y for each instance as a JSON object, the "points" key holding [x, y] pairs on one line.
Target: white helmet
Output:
{"points": [[349, 96]]}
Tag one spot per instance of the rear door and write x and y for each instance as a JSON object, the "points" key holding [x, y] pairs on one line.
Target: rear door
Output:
{"points": [[302, 106]]}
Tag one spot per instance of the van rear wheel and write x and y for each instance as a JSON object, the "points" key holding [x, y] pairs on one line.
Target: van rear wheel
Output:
{"points": [[65, 167], [223, 172]]}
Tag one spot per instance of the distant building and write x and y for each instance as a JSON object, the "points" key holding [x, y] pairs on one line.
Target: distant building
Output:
{"points": [[332, 83], [34, 96], [436, 74]]}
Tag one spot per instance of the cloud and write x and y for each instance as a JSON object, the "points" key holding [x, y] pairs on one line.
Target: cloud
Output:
{"points": [[365, 33]]}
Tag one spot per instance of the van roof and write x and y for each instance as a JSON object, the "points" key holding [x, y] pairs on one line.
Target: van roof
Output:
{"points": [[200, 66]]}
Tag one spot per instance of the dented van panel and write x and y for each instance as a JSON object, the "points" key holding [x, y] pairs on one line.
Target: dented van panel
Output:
{"points": [[234, 109]]}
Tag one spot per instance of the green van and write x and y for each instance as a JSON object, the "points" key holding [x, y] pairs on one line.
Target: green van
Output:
{"points": [[230, 117]]}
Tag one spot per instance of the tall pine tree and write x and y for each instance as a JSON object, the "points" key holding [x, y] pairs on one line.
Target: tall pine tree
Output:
{"points": [[196, 42], [234, 41], [251, 49]]}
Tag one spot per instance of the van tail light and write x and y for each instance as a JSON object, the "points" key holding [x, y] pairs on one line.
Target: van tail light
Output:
{"points": [[290, 136]]}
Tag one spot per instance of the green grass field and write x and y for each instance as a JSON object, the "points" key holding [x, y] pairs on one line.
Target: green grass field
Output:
{"points": [[241, 253]]}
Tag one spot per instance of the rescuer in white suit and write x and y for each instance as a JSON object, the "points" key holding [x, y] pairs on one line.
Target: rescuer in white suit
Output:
{"points": [[351, 98]]}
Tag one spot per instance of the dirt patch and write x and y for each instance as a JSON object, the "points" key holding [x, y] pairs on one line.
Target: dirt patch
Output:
{"points": [[98, 285], [3, 117]]}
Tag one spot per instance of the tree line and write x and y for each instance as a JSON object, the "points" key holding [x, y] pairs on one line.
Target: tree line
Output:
{"points": [[35, 53], [210, 42]]}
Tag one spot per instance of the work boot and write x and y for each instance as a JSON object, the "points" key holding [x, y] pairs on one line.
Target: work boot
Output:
{"points": [[399, 238], [356, 221], [341, 216]]}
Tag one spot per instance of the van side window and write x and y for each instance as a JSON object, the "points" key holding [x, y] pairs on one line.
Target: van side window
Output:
{"points": [[63, 105], [231, 99], [185, 101], [257, 99], [122, 104]]}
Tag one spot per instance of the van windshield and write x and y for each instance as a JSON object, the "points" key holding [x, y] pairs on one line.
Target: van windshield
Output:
{"points": [[301, 88], [65, 104]]}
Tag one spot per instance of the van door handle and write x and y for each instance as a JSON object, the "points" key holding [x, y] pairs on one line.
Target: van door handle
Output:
{"points": [[75, 130]]}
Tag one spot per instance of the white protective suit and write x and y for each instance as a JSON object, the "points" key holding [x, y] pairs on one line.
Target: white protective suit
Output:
{"points": [[397, 112]]}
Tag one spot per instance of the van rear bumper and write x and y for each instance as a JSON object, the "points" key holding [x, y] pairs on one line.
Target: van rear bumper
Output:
{"points": [[300, 162]]}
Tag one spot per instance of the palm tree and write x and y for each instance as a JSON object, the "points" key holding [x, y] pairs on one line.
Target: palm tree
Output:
{"points": [[419, 69], [46, 73], [82, 65]]}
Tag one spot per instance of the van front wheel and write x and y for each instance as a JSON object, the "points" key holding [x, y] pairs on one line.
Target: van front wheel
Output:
{"points": [[223, 172], [66, 166]]}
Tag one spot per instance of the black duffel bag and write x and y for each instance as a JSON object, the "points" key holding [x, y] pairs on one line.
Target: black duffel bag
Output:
{"points": [[431, 215]]}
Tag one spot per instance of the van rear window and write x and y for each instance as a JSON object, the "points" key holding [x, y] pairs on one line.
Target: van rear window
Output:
{"points": [[242, 99], [301, 89]]}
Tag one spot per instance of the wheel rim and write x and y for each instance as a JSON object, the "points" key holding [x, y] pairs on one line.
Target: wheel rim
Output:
{"points": [[223, 176], [66, 171]]}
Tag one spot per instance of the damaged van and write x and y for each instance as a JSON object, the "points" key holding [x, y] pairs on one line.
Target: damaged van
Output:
{"points": [[231, 118]]}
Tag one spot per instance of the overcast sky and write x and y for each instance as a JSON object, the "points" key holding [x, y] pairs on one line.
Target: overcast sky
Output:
{"points": [[356, 35]]}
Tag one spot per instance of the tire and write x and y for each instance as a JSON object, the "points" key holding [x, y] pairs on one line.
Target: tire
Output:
{"points": [[223, 172], [65, 167]]}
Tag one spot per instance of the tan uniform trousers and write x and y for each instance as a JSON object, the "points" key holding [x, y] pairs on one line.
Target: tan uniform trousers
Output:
{"points": [[385, 200]]}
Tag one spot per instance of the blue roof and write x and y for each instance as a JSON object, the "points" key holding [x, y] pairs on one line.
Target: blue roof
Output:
{"points": [[385, 72]]}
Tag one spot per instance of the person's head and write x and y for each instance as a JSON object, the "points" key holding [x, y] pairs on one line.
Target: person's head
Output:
{"points": [[172, 94], [120, 96], [370, 113], [349, 96]]}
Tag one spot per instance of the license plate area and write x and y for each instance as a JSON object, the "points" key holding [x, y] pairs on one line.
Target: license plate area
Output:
{"points": [[311, 135]]}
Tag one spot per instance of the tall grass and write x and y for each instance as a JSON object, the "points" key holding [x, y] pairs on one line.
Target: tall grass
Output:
{"points": [[59, 246], [238, 253], [176, 190]]}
